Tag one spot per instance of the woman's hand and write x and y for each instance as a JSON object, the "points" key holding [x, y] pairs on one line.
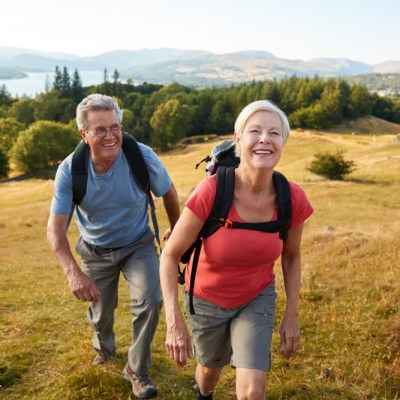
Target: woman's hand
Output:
{"points": [[290, 335], [178, 341]]}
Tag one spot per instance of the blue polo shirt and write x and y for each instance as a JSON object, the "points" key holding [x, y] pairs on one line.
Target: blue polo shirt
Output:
{"points": [[113, 212]]}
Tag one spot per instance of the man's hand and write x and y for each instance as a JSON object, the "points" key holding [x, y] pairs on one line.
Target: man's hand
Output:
{"points": [[167, 234], [82, 287]]}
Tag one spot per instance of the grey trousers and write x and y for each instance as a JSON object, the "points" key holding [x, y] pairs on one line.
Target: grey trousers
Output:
{"points": [[139, 265]]}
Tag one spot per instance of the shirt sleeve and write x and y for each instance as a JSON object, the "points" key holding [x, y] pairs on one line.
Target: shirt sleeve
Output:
{"points": [[301, 207], [202, 198], [160, 181], [62, 197]]}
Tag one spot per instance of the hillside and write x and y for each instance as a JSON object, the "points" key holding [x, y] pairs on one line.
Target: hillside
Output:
{"points": [[368, 125], [349, 309], [196, 68]]}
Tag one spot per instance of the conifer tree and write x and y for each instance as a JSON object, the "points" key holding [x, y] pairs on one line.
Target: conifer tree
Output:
{"points": [[66, 84], [58, 79], [76, 87]]}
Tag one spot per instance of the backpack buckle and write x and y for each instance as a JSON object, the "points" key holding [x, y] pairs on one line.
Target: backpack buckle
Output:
{"points": [[226, 223]]}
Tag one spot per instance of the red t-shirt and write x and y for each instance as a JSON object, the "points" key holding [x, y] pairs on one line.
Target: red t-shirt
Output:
{"points": [[235, 265]]}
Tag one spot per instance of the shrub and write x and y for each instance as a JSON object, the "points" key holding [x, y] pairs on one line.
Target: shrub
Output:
{"points": [[331, 165], [44, 143]]}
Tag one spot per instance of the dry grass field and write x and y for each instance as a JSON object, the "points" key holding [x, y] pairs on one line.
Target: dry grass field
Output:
{"points": [[349, 307]]}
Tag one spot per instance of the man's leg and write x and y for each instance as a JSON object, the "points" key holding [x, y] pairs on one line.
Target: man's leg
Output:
{"points": [[103, 271], [141, 270]]}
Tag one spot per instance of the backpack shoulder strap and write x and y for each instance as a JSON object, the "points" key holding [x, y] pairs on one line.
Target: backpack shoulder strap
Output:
{"points": [[136, 162], [284, 202], [141, 175], [79, 171], [225, 185], [225, 177]]}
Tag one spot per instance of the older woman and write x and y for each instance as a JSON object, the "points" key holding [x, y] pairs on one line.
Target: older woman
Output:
{"points": [[234, 291]]}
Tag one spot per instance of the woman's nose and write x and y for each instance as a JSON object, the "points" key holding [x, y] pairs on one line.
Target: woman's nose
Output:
{"points": [[264, 137]]}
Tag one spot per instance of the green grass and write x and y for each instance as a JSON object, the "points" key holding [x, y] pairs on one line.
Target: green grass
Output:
{"points": [[349, 306]]}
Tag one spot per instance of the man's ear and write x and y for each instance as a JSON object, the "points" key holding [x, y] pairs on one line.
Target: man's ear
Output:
{"points": [[84, 135]]}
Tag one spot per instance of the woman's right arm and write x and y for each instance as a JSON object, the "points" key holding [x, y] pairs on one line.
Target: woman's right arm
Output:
{"points": [[178, 340]]}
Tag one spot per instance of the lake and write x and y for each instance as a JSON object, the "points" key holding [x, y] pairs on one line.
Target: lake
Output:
{"points": [[35, 83]]}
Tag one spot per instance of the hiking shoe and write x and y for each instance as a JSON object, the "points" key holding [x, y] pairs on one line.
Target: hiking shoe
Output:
{"points": [[100, 358], [194, 386], [142, 385]]}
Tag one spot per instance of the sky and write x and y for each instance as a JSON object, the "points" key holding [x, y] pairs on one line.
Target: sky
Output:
{"points": [[361, 30]]}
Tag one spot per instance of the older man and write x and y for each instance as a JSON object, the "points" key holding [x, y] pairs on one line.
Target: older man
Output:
{"points": [[115, 237]]}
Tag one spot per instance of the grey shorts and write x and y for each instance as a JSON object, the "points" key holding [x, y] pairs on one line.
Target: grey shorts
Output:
{"points": [[239, 336]]}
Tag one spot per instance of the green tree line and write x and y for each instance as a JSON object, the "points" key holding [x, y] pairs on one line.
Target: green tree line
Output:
{"points": [[38, 132]]}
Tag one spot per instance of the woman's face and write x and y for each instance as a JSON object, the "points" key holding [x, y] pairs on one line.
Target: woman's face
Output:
{"points": [[261, 141]]}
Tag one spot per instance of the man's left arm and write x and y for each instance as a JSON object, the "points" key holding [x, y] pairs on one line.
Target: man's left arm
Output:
{"points": [[171, 205]]}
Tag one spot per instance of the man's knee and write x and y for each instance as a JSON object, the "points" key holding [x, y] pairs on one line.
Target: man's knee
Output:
{"points": [[151, 305]]}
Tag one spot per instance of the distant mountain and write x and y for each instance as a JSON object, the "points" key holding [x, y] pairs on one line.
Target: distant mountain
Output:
{"points": [[127, 58], [240, 67], [190, 67], [32, 60], [387, 67], [342, 66]]}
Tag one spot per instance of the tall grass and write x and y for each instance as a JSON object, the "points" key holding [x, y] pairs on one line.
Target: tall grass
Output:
{"points": [[349, 308]]}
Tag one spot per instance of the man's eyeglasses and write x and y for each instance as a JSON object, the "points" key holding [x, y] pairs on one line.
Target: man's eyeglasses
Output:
{"points": [[102, 132]]}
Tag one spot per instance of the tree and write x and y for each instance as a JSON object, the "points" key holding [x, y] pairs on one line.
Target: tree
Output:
{"points": [[9, 131], [106, 82], [169, 122], [44, 143], [76, 88], [360, 102], [47, 85], [5, 96], [331, 165], [22, 110], [129, 120], [4, 166], [58, 80], [66, 84], [51, 107], [222, 116]]}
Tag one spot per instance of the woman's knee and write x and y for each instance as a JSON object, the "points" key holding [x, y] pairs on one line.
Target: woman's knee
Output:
{"points": [[250, 385], [210, 373], [251, 393]]}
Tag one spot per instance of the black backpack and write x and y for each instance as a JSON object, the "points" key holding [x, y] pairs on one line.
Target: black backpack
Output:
{"points": [[223, 154], [137, 165]]}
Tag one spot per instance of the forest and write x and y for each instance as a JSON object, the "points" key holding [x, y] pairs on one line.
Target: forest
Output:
{"points": [[39, 132]]}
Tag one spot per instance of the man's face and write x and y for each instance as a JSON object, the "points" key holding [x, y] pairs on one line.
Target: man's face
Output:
{"points": [[103, 135]]}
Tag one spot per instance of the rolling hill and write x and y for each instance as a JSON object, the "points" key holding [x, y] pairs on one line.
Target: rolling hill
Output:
{"points": [[197, 68]]}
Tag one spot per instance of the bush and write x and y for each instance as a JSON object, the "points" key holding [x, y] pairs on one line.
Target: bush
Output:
{"points": [[331, 165], [43, 144]]}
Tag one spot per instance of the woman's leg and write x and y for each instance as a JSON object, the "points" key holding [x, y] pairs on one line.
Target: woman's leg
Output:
{"points": [[250, 384], [207, 379]]}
